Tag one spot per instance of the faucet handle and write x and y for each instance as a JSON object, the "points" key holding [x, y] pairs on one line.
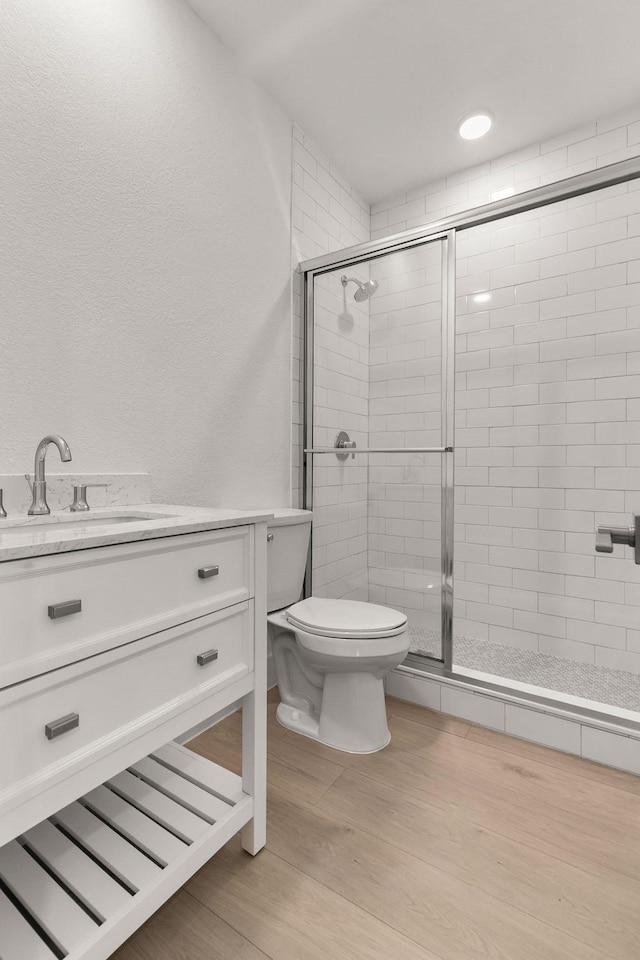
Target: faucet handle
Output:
{"points": [[80, 504], [3, 512]]}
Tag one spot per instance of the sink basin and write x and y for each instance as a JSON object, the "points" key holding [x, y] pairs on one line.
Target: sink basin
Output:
{"points": [[44, 527]]}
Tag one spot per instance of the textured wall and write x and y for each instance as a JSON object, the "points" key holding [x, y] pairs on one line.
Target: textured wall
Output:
{"points": [[144, 224]]}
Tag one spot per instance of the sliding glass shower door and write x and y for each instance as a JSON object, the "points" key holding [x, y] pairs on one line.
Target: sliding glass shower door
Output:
{"points": [[379, 434]]}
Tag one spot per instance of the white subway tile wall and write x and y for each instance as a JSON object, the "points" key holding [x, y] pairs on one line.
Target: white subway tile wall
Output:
{"points": [[548, 400], [328, 215], [547, 397], [405, 410], [341, 402]]}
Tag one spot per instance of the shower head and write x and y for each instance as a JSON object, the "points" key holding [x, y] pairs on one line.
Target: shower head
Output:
{"points": [[365, 289]]}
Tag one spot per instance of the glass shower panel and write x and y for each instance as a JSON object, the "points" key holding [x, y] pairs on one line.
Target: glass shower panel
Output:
{"points": [[340, 402], [405, 543], [378, 377], [405, 410], [547, 437]]}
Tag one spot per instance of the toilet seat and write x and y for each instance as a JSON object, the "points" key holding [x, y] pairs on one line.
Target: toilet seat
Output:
{"points": [[345, 619]]}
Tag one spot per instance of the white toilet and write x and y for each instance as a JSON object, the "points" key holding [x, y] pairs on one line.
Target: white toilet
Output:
{"points": [[330, 656]]}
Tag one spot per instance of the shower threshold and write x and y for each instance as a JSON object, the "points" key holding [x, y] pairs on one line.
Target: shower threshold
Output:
{"points": [[576, 684]]}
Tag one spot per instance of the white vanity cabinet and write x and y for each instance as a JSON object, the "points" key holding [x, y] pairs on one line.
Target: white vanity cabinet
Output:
{"points": [[107, 656]]}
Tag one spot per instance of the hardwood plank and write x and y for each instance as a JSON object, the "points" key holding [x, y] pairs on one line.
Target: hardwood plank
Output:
{"points": [[231, 726], [290, 916], [510, 807], [320, 770], [224, 739], [184, 929], [92, 885], [456, 919], [274, 729], [598, 910], [522, 780], [19, 940], [57, 914], [222, 749], [123, 859], [555, 758], [319, 750], [290, 768]]}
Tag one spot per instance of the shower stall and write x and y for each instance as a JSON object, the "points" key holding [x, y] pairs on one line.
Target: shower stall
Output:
{"points": [[471, 417]]}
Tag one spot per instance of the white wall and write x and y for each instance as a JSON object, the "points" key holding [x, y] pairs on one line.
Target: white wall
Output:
{"points": [[145, 235], [548, 415]]}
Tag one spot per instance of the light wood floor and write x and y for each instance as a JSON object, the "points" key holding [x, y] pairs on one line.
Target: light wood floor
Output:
{"points": [[453, 843]]}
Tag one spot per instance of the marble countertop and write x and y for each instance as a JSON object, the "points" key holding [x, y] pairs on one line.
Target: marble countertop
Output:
{"points": [[22, 537]]}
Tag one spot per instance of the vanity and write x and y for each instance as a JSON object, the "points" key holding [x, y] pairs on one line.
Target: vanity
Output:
{"points": [[121, 630]]}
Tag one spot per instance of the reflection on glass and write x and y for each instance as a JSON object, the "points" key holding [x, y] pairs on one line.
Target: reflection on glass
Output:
{"points": [[377, 375]]}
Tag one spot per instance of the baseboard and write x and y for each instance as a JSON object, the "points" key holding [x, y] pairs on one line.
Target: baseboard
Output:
{"points": [[595, 739]]}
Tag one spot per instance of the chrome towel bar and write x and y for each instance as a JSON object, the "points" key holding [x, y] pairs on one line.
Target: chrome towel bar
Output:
{"points": [[354, 450]]}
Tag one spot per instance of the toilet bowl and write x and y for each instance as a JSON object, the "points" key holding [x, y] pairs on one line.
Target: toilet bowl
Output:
{"points": [[330, 656]]}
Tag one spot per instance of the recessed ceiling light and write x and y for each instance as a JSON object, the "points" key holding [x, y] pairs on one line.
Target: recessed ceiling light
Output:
{"points": [[475, 125]]}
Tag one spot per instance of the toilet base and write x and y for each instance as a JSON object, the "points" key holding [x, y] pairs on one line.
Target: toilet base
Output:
{"points": [[353, 715]]}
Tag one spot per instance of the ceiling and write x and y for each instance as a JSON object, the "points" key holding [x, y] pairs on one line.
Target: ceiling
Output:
{"points": [[380, 84]]}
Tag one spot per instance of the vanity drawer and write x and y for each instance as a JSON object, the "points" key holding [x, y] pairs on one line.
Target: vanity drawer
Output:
{"points": [[59, 609], [102, 702]]}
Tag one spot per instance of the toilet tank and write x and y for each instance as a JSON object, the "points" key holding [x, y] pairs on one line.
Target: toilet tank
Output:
{"points": [[287, 556]]}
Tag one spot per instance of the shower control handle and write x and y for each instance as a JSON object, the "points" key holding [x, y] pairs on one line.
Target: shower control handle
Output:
{"points": [[344, 442], [604, 541], [629, 536]]}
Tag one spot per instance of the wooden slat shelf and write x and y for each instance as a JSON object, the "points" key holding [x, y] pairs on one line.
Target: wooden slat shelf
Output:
{"points": [[79, 883]]}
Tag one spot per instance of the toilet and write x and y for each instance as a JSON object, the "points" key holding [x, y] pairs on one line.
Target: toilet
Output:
{"points": [[330, 656]]}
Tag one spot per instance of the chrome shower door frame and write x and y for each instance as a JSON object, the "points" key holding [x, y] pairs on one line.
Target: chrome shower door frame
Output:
{"points": [[565, 189], [446, 450]]}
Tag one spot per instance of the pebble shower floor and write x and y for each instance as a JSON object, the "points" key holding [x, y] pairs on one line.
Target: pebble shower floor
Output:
{"points": [[617, 688]]}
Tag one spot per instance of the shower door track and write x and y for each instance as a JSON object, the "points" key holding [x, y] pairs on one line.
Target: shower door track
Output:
{"points": [[444, 230]]}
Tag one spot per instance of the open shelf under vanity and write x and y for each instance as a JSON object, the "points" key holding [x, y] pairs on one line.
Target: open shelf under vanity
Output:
{"points": [[80, 882]]}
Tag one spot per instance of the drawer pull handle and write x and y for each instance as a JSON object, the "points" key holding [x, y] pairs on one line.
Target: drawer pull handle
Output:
{"points": [[205, 572], [208, 657], [57, 610], [269, 538], [63, 725]]}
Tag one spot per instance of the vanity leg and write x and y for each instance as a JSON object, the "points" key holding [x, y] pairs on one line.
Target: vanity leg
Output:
{"points": [[254, 768], [254, 709]]}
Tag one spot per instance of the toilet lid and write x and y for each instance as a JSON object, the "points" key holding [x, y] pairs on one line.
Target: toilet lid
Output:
{"points": [[351, 619]]}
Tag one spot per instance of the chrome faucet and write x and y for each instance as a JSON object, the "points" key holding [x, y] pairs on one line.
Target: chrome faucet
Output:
{"points": [[39, 506]]}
